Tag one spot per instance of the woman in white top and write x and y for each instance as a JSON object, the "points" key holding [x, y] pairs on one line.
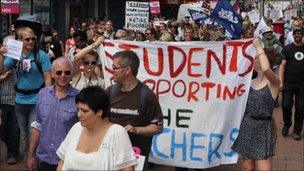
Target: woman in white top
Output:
{"points": [[86, 69], [94, 143]]}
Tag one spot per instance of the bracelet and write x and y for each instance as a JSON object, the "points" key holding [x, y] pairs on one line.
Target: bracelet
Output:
{"points": [[260, 54]]}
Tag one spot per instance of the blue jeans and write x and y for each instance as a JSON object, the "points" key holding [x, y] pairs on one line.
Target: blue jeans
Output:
{"points": [[25, 114], [9, 130]]}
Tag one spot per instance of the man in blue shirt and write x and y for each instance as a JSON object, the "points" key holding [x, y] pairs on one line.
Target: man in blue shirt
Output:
{"points": [[56, 114], [33, 73]]}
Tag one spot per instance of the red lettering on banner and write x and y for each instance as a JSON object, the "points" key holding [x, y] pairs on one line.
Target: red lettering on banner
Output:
{"points": [[184, 87], [219, 90], [192, 91], [234, 58], [240, 90], [171, 50], [207, 85], [127, 46], [160, 57], [190, 62], [228, 93], [162, 90], [222, 65], [247, 56]]}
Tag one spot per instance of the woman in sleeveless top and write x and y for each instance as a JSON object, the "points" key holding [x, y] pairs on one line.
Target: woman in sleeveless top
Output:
{"points": [[87, 73], [94, 143], [256, 140]]}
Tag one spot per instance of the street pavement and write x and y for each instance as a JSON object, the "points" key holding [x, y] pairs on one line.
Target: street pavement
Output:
{"points": [[289, 154]]}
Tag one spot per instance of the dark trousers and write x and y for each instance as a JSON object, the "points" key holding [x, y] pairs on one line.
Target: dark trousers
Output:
{"points": [[43, 166], [9, 130], [288, 95]]}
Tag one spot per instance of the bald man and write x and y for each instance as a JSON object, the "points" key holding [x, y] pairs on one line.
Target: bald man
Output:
{"points": [[56, 114]]}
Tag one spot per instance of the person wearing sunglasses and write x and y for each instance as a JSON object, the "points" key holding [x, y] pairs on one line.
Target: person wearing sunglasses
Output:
{"points": [[54, 117], [87, 72], [31, 78]]}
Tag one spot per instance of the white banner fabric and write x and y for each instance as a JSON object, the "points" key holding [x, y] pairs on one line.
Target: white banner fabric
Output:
{"points": [[202, 88]]}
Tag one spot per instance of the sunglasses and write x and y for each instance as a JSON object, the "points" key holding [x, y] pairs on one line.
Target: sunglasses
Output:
{"points": [[89, 63], [33, 39], [66, 73], [115, 67]]}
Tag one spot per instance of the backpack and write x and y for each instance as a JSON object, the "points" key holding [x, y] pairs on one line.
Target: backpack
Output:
{"points": [[143, 92], [37, 61]]}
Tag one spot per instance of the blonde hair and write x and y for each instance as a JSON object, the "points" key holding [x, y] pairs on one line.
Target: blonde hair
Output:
{"points": [[20, 32]]}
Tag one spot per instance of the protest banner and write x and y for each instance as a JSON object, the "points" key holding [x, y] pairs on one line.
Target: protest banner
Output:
{"points": [[10, 7], [137, 15], [202, 88]]}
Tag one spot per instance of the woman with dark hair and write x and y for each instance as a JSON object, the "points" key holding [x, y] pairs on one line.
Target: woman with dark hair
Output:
{"points": [[256, 140], [69, 43], [94, 143]]}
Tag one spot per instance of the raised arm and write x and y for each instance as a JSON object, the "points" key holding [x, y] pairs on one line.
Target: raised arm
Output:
{"points": [[265, 66], [80, 54]]}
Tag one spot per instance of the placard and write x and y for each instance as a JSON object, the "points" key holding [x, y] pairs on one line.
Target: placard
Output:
{"points": [[14, 48], [137, 15]]}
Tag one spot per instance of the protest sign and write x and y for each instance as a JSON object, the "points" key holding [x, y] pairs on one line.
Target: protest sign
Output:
{"points": [[202, 88], [14, 48], [183, 10], [274, 15], [154, 7], [260, 28], [10, 7], [254, 16], [137, 15], [289, 14]]}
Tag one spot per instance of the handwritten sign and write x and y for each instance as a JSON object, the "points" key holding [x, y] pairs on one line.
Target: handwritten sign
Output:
{"points": [[289, 14], [202, 88], [137, 15], [14, 48], [10, 7], [154, 7]]}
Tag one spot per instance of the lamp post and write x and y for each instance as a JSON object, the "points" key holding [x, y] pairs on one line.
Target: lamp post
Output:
{"points": [[261, 8]]}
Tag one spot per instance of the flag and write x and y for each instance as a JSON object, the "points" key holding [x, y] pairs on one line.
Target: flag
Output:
{"points": [[198, 17], [224, 15]]}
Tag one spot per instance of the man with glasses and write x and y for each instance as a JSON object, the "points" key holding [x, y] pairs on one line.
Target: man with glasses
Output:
{"points": [[292, 84], [54, 117], [150, 34], [142, 116], [33, 73]]}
